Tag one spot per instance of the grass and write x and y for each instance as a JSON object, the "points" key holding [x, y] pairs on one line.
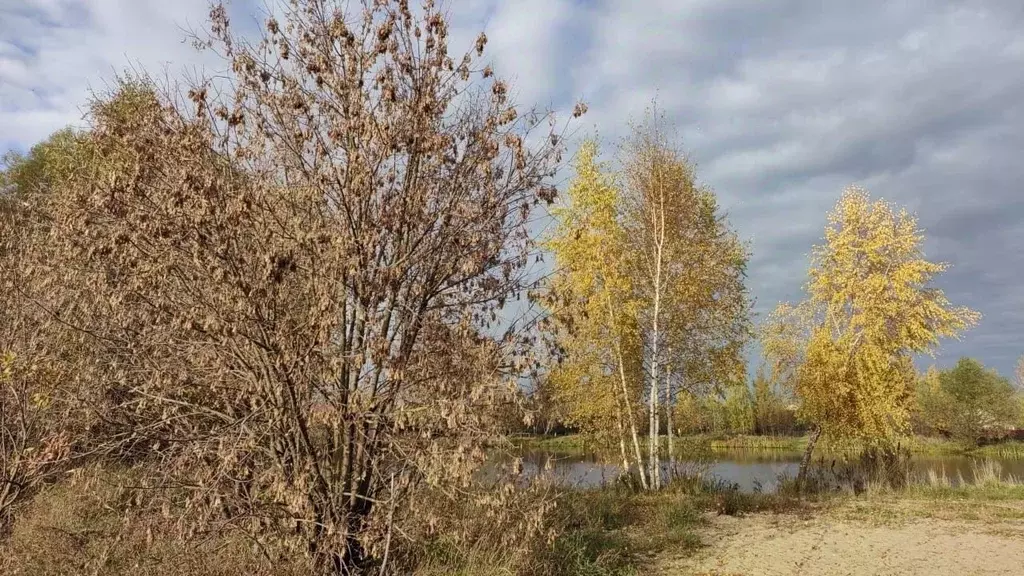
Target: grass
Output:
{"points": [[987, 482], [617, 531], [612, 531], [991, 502], [77, 526], [620, 532], [1013, 449], [74, 527], [754, 442]]}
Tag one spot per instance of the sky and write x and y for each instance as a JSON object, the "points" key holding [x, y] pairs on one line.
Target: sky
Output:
{"points": [[781, 104]]}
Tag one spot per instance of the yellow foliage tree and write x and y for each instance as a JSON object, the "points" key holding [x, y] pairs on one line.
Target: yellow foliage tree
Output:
{"points": [[869, 307], [707, 306], [594, 310], [648, 296], [689, 269]]}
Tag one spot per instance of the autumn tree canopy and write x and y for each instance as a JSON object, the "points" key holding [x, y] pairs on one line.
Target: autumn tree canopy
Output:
{"points": [[870, 306], [968, 401], [648, 294], [594, 310]]}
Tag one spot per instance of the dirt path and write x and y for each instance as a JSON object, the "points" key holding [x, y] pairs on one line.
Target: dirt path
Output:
{"points": [[851, 542]]}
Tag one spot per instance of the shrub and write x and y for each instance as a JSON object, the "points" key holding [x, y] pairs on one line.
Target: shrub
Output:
{"points": [[282, 301], [33, 450], [967, 402]]}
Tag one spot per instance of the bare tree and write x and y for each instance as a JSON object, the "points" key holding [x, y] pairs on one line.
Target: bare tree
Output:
{"points": [[280, 291]]}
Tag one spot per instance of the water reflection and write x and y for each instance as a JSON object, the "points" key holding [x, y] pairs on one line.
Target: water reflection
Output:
{"points": [[749, 470]]}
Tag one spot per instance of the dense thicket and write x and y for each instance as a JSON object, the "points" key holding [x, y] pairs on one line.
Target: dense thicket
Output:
{"points": [[278, 293]]}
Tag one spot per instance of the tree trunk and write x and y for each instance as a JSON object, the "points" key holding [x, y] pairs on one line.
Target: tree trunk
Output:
{"points": [[632, 427], [653, 399], [650, 438], [622, 438], [805, 461], [669, 406], [625, 399], [657, 437]]}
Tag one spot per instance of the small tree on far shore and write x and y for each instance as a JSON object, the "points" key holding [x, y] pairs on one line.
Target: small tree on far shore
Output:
{"points": [[969, 402]]}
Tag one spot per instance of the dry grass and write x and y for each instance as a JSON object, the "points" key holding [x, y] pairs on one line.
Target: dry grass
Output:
{"points": [[78, 527]]}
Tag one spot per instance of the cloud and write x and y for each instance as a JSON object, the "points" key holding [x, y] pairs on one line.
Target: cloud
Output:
{"points": [[55, 53], [918, 102], [781, 104]]}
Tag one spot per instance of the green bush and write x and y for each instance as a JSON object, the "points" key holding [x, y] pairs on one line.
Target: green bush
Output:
{"points": [[968, 402], [740, 409]]}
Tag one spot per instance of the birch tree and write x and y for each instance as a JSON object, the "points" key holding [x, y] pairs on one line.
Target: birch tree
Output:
{"points": [[594, 309], [648, 288], [688, 269], [707, 312], [654, 174], [869, 308]]}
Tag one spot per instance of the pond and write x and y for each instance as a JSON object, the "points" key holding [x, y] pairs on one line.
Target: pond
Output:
{"points": [[749, 470]]}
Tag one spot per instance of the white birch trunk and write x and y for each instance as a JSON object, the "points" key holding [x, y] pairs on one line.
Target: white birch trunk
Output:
{"points": [[669, 406], [655, 339], [658, 222], [622, 438], [625, 399]]}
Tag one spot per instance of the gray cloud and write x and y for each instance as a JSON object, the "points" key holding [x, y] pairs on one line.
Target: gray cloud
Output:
{"points": [[781, 104], [782, 108]]}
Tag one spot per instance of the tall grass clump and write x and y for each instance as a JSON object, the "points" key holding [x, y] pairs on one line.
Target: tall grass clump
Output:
{"points": [[79, 526], [985, 481], [990, 473]]}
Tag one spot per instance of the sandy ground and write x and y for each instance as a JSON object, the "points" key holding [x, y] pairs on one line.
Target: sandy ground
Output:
{"points": [[856, 544]]}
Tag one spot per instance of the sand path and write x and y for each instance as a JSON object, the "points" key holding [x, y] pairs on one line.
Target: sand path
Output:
{"points": [[851, 544]]}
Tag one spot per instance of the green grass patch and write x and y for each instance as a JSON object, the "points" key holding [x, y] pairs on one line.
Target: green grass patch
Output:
{"points": [[915, 444], [1012, 449], [564, 443], [753, 442]]}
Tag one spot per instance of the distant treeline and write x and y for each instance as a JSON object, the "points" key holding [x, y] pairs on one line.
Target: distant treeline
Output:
{"points": [[967, 403]]}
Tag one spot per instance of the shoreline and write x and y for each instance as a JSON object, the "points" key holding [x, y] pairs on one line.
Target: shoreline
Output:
{"points": [[1010, 449]]}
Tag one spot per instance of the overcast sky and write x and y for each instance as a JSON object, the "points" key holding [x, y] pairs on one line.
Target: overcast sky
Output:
{"points": [[782, 104]]}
